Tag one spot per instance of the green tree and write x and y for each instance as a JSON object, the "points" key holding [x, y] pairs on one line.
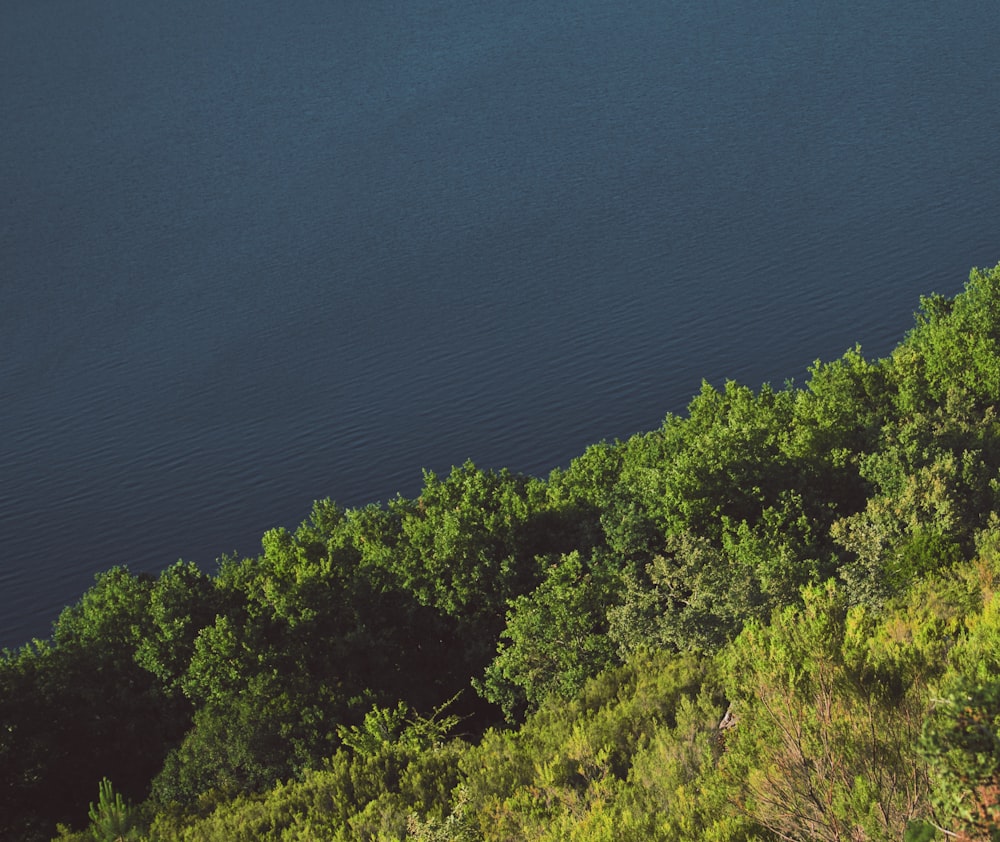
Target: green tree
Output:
{"points": [[462, 544], [182, 601], [556, 636], [110, 818], [936, 471], [78, 708]]}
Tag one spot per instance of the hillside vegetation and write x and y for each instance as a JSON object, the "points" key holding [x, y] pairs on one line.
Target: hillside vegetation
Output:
{"points": [[777, 617]]}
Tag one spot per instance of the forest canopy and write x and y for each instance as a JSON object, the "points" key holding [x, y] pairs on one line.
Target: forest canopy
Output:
{"points": [[775, 617]]}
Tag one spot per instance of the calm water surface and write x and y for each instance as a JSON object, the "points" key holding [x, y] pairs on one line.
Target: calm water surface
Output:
{"points": [[256, 253]]}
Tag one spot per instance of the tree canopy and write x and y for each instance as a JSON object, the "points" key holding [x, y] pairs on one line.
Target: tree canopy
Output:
{"points": [[776, 616]]}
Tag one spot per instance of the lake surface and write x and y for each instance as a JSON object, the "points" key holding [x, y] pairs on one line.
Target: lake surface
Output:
{"points": [[256, 253]]}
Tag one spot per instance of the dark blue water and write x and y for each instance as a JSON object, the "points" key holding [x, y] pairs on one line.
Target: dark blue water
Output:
{"points": [[254, 253]]}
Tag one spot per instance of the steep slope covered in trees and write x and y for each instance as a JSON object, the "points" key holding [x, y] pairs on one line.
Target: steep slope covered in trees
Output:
{"points": [[772, 618]]}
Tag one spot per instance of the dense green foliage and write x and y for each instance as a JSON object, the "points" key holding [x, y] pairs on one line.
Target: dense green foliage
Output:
{"points": [[776, 617]]}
